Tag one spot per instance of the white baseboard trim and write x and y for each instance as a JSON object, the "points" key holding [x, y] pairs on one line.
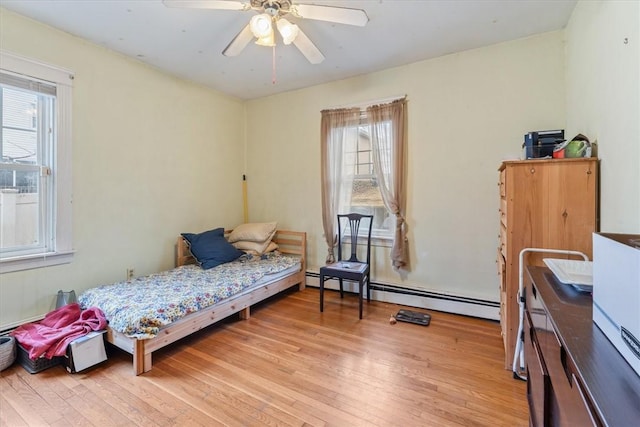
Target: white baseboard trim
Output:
{"points": [[7, 327], [418, 298]]}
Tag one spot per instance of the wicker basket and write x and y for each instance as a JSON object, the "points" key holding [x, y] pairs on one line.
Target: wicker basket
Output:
{"points": [[7, 352]]}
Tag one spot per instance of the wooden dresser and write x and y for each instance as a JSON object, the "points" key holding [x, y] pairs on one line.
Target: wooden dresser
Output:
{"points": [[575, 376], [544, 203]]}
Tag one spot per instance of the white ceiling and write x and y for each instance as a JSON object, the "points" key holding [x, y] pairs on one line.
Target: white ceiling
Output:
{"points": [[189, 42]]}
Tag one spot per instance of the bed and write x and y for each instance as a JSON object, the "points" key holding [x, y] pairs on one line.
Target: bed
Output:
{"points": [[200, 310]]}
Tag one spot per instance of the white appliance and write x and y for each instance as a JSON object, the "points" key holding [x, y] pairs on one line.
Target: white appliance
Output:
{"points": [[616, 292]]}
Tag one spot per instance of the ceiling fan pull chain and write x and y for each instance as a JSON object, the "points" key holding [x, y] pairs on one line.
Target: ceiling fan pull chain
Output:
{"points": [[273, 70]]}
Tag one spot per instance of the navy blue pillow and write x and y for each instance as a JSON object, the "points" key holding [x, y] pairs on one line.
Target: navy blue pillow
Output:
{"points": [[211, 248]]}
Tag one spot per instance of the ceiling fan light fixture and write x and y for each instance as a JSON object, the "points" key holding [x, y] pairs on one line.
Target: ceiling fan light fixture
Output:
{"points": [[268, 40], [261, 25], [268, 14], [287, 30]]}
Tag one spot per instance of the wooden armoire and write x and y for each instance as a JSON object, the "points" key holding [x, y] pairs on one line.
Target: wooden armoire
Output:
{"points": [[544, 203]]}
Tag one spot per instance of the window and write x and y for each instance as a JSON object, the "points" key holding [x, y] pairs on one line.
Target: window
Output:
{"points": [[365, 196], [35, 166], [363, 169]]}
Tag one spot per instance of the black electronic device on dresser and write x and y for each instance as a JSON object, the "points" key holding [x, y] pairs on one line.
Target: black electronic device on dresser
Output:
{"points": [[575, 376], [540, 144]]}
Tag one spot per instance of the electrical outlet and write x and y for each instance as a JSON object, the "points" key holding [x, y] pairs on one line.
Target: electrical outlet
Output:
{"points": [[129, 273]]}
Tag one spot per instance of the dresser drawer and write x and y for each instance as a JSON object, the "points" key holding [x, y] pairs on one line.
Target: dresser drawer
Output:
{"points": [[503, 241], [503, 212], [538, 384], [503, 183], [568, 405], [502, 271]]}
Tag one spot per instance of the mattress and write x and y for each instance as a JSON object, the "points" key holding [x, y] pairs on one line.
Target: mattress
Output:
{"points": [[141, 307]]}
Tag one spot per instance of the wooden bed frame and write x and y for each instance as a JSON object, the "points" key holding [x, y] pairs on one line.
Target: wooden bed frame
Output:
{"points": [[289, 242]]}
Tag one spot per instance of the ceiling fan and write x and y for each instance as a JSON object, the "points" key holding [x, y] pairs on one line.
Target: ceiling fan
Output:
{"points": [[273, 13]]}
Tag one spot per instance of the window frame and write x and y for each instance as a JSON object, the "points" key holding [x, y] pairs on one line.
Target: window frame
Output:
{"points": [[60, 251], [379, 236]]}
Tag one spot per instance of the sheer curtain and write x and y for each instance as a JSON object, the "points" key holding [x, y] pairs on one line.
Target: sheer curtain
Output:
{"points": [[339, 136], [387, 128]]}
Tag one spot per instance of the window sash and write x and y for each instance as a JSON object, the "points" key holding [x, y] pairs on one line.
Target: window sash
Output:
{"points": [[31, 219], [354, 161], [53, 165]]}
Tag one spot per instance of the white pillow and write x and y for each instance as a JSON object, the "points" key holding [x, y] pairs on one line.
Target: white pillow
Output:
{"points": [[260, 232]]}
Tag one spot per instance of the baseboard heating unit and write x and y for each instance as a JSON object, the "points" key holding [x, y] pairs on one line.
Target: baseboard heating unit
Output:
{"points": [[421, 298]]}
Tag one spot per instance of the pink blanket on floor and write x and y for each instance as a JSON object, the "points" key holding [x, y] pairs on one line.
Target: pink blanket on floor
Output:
{"points": [[51, 335]]}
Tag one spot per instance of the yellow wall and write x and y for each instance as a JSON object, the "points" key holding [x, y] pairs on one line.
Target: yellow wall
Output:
{"points": [[153, 156], [467, 112], [603, 102]]}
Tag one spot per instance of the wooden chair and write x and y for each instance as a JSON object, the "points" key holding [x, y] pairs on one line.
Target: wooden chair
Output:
{"points": [[351, 269]]}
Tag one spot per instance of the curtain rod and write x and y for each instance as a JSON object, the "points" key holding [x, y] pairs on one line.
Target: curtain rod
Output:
{"points": [[365, 104]]}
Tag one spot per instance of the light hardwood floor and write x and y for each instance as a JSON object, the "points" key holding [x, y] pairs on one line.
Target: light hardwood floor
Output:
{"points": [[289, 364]]}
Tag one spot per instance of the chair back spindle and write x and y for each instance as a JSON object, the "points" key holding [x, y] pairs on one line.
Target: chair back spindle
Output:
{"points": [[353, 220]]}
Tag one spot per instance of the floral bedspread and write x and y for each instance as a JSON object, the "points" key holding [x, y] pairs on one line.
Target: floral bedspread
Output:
{"points": [[139, 308]]}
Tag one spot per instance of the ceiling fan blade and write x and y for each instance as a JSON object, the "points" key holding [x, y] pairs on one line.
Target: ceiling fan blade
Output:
{"points": [[207, 4], [308, 49], [341, 15], [239, 42]]}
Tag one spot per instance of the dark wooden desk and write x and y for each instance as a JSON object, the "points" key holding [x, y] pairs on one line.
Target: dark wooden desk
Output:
{"points": [[610, 387]]}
